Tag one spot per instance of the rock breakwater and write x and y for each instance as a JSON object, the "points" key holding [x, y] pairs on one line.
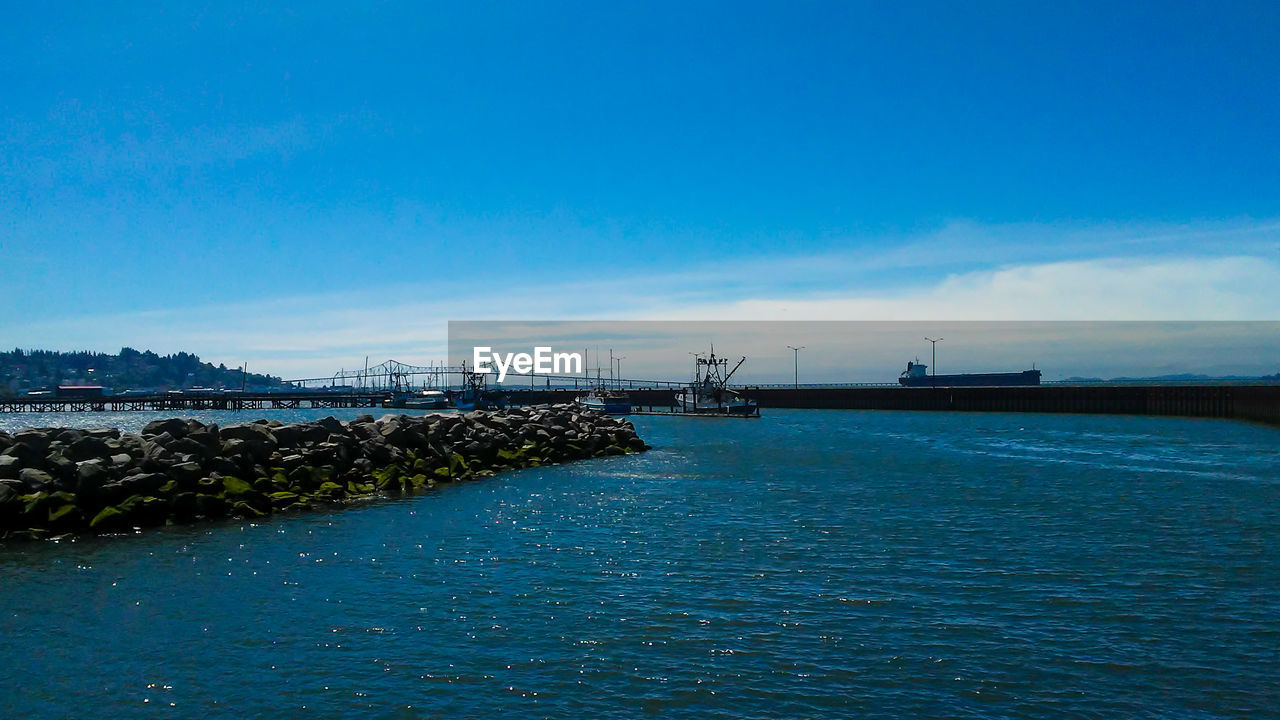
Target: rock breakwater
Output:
{"points": [[65, 480]]}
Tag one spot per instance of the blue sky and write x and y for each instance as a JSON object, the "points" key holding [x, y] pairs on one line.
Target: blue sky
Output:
{"points": [[299, 187]]}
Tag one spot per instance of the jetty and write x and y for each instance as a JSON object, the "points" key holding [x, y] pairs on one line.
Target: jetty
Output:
{"points": [[1251, 402], [57, 481]]}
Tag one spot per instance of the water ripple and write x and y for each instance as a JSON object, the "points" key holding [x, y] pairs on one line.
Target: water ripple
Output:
{"points": [[809, 564]]}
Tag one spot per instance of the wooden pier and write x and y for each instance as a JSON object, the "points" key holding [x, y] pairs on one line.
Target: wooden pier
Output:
{"points": [[192, 401]]}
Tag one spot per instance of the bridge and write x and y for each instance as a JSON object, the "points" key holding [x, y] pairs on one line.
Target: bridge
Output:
{"points": [[392, 376]]}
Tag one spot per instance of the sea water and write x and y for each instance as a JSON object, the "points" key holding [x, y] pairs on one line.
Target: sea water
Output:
{"points": [[806, 564]]}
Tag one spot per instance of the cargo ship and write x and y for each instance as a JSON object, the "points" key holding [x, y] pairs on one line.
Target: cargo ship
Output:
{"points": [[916, 376]]}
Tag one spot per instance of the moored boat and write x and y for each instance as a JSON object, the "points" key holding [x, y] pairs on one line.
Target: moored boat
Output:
{"points": [[708, 394], [474, 393], [609, 402], [418, 400]]}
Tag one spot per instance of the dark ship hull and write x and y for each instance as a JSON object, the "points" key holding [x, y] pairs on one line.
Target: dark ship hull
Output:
{"points": [[1026, 377]]}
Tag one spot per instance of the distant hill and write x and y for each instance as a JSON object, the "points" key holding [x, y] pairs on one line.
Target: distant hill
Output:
{"points": [[22, 371], [1180, 378]]}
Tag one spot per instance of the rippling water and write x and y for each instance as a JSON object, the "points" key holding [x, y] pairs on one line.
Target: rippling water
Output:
{"points": [[808, 564]]}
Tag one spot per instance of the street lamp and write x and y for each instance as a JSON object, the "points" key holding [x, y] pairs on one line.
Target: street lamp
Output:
{"points": [[619, 360], [796, 354], [935, 355]]}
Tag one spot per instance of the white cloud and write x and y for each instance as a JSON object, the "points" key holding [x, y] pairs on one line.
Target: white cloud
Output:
{"points": [[1228, 288], [1232, 274]]}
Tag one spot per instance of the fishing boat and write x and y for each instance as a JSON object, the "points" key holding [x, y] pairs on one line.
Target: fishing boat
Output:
{"points": [[403, 396], [609, 402], [473, 393], [709, 394], [606, 399], [425, 399]]}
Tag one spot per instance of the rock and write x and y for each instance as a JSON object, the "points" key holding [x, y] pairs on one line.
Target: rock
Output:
{"points": [[88, 447], [134, 511], [34, 511], [104, 433], [142, 484], [234, 486], [246, 510], [92, 474], [68, 436], [366, 431], [60, 466], [65, 516], [252, 434], [186, 474], [37, 440], [224, 466], [324, 453], [256, 440], [163, 440], [27, 456], [332, 426], [9, 494], [207, 437], [288, 436], [283, 499], [341, 439], [212, 506], [144, 510], [175, 427], [184, 506], [154, 452], [331, 491], [35, 479], [188, 446], [10, 466], [301, 477], [107, 519]]}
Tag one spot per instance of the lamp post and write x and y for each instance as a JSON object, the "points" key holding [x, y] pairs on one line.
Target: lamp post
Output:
{"points": [[619, 360], [935, 358], [796, 355]]}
